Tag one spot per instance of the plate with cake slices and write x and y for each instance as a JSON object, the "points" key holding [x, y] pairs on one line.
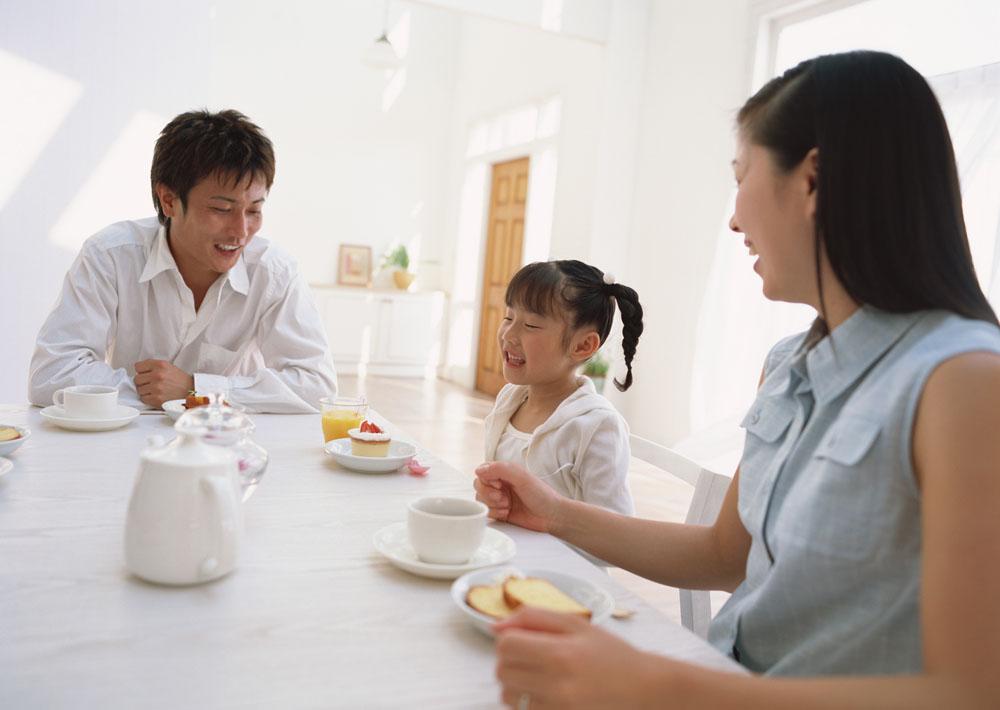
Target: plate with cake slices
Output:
{"points": [[370, 449], [11, 437], [489, 595]]}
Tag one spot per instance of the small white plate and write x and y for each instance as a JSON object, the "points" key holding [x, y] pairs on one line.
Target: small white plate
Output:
{"points": [[8, 447], [393, 543], [399, 455], [57, 416], [599, 601], [5, 465], [174, 408]]}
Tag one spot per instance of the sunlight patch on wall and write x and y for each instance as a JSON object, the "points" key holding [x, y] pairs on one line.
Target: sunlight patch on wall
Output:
{"points": [[37, 101], [472, 205], [540, 207], [393, 89], [117, 189]]}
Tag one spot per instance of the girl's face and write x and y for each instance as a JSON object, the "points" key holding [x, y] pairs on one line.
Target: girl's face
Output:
{"points": [[534, 348], [775, 212]]}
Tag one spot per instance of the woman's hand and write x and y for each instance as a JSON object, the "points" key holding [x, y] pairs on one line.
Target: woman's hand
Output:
{"points": [[515, 496], [550, 660]]}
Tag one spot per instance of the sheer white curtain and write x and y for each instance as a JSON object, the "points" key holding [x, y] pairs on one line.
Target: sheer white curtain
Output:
{"points": [[971, 103], [736, 328], [737, 325]]}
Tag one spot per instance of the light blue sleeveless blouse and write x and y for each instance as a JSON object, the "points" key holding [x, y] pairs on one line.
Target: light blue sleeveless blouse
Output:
{"points": [[828, 495]]}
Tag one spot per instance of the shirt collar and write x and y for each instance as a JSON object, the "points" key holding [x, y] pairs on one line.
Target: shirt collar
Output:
{"points": [[160, 259], [843, 357]]}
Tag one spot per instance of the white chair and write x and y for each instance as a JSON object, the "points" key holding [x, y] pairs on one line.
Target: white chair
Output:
{"points": [[709, 491]]}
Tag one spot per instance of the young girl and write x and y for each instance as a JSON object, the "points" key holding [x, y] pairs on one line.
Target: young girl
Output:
{"points": [[549, 420], [860, 537]]}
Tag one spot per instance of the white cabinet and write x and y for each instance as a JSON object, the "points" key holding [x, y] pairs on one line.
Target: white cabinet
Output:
{"points": [[382, 332]]}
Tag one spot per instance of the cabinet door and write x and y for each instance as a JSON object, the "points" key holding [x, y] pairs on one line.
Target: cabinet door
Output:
{"points": [[350, 320], [411, 331]]}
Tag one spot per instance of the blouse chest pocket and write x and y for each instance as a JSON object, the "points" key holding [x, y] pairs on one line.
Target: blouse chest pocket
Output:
{"points": [[849, 439], [768, 419], [839, 507], [766, 425]]}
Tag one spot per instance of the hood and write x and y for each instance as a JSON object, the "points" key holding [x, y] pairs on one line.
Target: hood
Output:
{"points": [[583, 401]]}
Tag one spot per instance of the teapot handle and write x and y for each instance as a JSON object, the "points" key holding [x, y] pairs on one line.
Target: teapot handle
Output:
{"points": [[224, 505]]}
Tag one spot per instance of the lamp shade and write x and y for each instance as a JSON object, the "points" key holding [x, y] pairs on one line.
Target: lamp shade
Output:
{"points": [[381, 55]]}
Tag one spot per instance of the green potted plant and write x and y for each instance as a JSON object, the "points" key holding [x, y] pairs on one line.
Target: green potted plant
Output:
{"points": [[596, 368], [398, 259]]}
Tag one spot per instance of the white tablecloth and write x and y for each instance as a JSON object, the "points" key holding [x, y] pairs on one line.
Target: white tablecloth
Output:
{"points": [[312, 616]]}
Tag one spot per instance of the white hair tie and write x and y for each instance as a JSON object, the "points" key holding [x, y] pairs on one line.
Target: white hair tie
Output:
{"points": [[609, 278]]}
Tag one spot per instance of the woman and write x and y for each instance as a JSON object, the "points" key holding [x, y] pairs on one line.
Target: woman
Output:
{"points": [[861, 534]]}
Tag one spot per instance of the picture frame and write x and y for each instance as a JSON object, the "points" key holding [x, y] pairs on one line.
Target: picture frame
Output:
{"points": [[354, 265]]}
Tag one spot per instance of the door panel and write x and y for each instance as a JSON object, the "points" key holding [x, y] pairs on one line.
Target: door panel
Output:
{"points": [[504, 251]]}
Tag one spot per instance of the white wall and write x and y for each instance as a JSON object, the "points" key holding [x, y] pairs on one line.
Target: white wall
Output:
{"points": [[643, 148], [86, 96], [697, 76], [501, 66]]}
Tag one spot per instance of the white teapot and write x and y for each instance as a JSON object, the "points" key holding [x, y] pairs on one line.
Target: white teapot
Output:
{"points": [[185, 518]]}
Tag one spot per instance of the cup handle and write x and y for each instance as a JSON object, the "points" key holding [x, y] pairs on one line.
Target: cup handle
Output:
{"points": [[57, 398], [224, 522]]}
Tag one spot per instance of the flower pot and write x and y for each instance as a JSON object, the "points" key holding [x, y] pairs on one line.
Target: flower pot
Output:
{"points": [[403, 279]]}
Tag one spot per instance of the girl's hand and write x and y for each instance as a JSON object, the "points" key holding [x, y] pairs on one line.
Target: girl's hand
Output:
{"points": [[550, 660], [515, 496]]}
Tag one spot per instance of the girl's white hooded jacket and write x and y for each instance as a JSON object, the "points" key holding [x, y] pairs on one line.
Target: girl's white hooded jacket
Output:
{"points": [[585, 431]]}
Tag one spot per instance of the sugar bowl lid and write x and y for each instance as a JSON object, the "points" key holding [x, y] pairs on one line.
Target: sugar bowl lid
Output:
{"points": [[217, 422]]}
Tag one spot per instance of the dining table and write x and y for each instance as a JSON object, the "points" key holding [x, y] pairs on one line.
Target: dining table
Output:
{"points": [[312, 615]]}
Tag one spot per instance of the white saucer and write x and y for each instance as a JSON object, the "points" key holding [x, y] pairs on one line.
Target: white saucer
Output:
{"points": [[174, 408], [393, 543], [599, 601], [57, 416], [5, 465], [400, 454]]}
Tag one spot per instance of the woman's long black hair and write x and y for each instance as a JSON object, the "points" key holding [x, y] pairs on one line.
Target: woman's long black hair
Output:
{"points": [[889, 211], [571, 287]]}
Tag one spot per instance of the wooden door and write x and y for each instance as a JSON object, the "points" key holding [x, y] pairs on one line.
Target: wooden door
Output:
{"points": [[504, 250]]}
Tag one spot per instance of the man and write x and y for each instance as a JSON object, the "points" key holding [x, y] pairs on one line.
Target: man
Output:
{"points": [[191, 301]]}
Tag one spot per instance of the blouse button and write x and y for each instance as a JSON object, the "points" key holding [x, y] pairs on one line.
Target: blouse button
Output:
{"points": [[755, 417]]}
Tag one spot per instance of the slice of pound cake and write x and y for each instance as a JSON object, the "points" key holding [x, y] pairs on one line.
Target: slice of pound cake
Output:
{"points": [[501, 600], [541, 594]]}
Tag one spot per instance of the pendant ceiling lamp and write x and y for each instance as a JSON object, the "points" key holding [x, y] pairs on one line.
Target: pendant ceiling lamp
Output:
{"points": [[381, 54]]}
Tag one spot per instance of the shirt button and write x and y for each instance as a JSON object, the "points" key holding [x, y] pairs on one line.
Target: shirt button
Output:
{"points": [[755, 417]]}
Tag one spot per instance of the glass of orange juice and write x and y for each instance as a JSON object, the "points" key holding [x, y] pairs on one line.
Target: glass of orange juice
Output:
{"points": [[340, 414]]}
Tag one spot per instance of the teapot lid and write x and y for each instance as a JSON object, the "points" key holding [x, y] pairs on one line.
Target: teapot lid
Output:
{"points": [[217, 422]]}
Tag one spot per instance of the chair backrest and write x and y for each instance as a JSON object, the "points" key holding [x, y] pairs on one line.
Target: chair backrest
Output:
{"points": [[709, 491]]}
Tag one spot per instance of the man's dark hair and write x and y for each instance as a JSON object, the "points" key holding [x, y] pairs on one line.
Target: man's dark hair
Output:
{"points": [[197, 144], [889, 211]]}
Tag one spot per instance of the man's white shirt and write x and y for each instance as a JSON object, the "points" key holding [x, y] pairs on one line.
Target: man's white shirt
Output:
{"points": [[256, 336]]}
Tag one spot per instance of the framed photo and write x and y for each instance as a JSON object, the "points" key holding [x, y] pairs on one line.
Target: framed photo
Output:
{"points": [[354, 265]]}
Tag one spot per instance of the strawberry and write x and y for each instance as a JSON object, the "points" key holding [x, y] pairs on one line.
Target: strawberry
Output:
{"points": [[367, 426]]}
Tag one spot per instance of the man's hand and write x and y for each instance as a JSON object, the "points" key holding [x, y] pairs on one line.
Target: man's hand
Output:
{"points": [[158, 381]]}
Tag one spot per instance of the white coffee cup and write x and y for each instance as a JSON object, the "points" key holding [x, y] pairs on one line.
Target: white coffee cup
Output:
{"points": [[446, 531], [87, 401]]}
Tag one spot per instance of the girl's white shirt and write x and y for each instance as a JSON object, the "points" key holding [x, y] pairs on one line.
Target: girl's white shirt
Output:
{"points": [[513, 446], [585, 434]]}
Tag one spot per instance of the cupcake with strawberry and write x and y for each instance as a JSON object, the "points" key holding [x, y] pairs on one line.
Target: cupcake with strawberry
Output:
{"points": [[369, 440]]}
